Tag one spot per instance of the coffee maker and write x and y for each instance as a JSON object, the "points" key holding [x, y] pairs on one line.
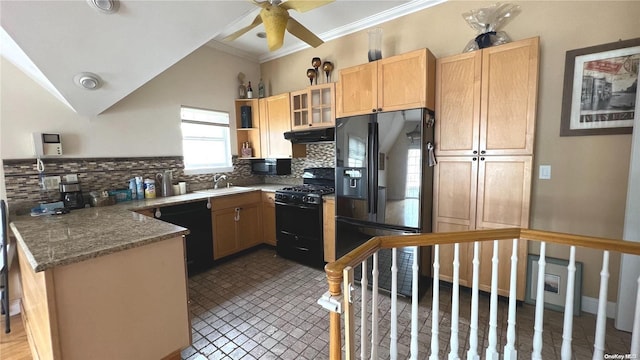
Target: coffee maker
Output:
{"points": [[71, 195]]}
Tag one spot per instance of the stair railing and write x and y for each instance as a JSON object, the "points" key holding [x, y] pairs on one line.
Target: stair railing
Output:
{"points": [[340, 300]]}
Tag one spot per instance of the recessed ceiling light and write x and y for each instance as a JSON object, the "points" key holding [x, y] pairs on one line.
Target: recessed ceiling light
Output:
{"points": [[261, 34], [105, 6], [87, 80]]}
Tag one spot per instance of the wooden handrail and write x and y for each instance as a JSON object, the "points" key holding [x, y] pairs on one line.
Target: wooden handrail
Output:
{"points": [[334, 270], [356, 256]]}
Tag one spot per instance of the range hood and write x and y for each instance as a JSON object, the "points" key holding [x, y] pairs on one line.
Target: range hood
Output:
{"points": [[311, 136]]}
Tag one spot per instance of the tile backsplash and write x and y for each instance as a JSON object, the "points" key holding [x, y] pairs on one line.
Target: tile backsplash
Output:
{"points": [[97, 174]]}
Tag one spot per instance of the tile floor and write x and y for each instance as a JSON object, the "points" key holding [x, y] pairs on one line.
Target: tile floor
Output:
{"points": [[260, 306]]}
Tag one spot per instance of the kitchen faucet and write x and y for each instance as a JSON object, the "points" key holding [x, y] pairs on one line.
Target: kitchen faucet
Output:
{"points": [[217, 178]]}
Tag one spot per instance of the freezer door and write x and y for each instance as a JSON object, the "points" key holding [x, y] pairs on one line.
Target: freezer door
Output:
{"points": [[399, 168], [352, 157]]}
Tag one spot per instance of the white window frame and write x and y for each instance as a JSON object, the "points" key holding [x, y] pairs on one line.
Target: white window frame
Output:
{"points": [[196, 120]]}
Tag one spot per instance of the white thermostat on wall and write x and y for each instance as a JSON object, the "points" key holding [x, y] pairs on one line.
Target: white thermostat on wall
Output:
{"points": [[47, 144]]}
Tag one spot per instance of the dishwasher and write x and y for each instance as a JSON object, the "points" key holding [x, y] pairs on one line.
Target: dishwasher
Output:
{"points": [[196, 217]]}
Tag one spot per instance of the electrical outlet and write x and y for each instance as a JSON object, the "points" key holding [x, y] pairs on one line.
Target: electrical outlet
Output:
{"points": [[545, 172], [51, 182], [71, 178]]}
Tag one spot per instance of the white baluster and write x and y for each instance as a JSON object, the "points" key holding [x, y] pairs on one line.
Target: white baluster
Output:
{"points": [[635, 333], [435, 304], [414, 305], [455, 304], [510, 352], [349, 322], [601, 319], [374, 308], [364, 282], [567, 331], [492, 352], [537, 327], [472, 354], [393, 351]]}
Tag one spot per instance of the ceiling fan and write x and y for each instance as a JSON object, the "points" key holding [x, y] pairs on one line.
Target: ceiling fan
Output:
{"points": [[275, 16]]}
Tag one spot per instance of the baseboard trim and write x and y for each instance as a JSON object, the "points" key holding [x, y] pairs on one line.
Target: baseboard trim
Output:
{"points": [[590, 305]]}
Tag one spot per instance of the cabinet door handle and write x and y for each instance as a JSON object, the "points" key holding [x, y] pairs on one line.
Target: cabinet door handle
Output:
{"points": [[483, 152], [373, 110], [482, 158], [474, 159], [380, 109], [475, 152], [237, 216]]}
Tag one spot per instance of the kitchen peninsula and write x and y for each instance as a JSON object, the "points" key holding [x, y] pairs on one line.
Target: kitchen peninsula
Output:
{"points": [[110, 282], [104, 283]]}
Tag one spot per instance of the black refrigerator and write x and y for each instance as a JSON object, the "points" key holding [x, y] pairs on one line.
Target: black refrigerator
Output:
{"points": [[384, 178]]}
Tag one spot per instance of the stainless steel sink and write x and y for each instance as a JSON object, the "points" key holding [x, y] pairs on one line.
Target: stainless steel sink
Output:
{"points": [[225, 191]]}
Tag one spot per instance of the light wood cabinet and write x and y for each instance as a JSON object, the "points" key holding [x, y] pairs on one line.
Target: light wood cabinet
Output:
{"points": [[237, 223], [313, 107], [269, 218], [400, 82], [329, 228], [485, 106], [248, 134], [117, 296], [275, 120], [486, 101]]}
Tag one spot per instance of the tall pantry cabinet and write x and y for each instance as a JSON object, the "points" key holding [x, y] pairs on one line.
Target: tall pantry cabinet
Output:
{"points": [[484, 134]]}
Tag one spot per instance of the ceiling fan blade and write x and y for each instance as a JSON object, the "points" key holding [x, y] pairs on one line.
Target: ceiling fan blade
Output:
{"points": [[257, 21], [304, 5], [296, 29]]}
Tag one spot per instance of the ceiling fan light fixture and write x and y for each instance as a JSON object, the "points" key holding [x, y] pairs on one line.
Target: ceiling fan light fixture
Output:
{"points": [[87, 81], [105, 6]]}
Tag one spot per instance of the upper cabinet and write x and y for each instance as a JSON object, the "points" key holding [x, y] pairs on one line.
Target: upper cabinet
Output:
{"points": [[486, 100], [313, 107], [400, 82], [248, 125], [275, 120]]}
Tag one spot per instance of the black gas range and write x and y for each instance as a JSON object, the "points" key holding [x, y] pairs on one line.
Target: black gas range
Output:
{"points": [[299, 232]]}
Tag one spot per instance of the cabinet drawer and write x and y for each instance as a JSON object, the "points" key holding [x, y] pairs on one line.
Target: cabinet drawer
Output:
{"points": [[229, 201]]}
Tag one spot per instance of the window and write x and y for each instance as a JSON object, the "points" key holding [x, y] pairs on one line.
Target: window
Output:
{"points": [[205, 140]]}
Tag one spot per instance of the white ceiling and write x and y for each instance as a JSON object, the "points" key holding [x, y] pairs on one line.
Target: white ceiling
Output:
{"points": [[54, 40]]}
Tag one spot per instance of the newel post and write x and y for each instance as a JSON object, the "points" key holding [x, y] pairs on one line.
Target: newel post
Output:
{"points": [[335, 346]]}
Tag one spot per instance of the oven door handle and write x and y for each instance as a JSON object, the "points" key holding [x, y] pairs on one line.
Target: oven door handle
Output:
{"points": [[299, 206]]}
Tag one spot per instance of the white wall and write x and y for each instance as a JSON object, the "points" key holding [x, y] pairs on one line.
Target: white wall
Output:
{"points": [[145, 123]]}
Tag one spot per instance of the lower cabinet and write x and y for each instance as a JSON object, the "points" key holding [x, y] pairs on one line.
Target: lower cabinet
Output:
{"points": [[237, 223], [269, 218], [329, 228], [491, 192]]}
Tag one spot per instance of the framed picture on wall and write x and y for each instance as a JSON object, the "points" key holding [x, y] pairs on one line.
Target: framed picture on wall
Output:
{"points": [[555, 283], [600, 93]]}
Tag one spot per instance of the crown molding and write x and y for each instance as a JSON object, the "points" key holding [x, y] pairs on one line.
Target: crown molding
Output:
{"points": [[385, 16]]}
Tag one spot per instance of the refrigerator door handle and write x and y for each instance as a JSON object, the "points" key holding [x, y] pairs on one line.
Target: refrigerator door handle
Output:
{"points": [[373, 170]]}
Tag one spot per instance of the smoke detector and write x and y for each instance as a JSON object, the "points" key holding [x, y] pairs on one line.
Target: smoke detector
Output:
{"points": [[87, 80], [105, 6]]}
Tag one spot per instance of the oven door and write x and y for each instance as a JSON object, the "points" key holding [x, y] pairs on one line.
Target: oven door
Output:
{"points": [[299, 233]]}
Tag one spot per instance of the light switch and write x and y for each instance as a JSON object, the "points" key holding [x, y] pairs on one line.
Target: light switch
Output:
{"points": [[545, 172]]}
